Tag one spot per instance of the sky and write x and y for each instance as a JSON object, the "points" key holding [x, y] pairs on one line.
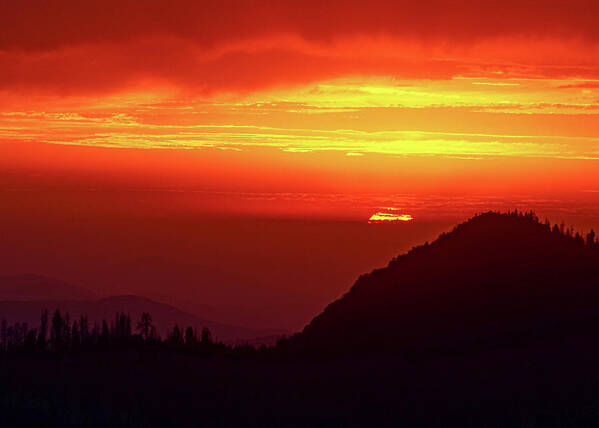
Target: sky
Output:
{"points": [[119, 114]]}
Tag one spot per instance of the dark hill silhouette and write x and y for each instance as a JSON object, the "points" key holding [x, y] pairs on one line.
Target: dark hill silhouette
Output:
{"points": [[36, 287], [495, 280], [164, 316]]}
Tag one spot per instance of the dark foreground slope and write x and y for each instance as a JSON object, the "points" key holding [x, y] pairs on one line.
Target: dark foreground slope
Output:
{"points": [[542, 387], [496, 280]]}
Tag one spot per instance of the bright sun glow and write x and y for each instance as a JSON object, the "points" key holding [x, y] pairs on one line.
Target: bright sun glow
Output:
{"points": [[388, 217]]}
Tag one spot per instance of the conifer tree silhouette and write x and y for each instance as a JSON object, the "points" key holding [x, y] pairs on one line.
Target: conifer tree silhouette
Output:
{"points": [[145, 326]]}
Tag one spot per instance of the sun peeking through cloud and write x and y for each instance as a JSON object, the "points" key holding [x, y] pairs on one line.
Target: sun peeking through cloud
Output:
{"points": [[389, 215]]}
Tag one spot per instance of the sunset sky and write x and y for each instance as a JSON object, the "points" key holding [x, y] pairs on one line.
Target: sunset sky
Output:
{"points": [[311, 110]]}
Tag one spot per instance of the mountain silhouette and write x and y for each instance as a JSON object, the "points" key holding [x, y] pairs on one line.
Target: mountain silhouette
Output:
{"points": [[499, 279], [164, 316], [36, 287]]}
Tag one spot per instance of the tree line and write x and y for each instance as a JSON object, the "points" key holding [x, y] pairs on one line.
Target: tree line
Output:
{"points": [[61, 335], [589, 239]]}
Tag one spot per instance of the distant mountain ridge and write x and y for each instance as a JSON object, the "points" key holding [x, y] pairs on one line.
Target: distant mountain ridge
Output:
{"points": [[24, 297], [492, 281], [164, 316]]}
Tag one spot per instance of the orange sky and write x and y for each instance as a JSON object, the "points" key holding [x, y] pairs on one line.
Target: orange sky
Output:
{"points": [[428, 111], [457, 98]]}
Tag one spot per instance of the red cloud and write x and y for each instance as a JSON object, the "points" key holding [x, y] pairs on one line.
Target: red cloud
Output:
{"points": [[71, 46], [41, 25]]}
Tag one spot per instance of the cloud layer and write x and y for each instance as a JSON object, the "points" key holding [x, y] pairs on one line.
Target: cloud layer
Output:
{"points": [[72, 47]]}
